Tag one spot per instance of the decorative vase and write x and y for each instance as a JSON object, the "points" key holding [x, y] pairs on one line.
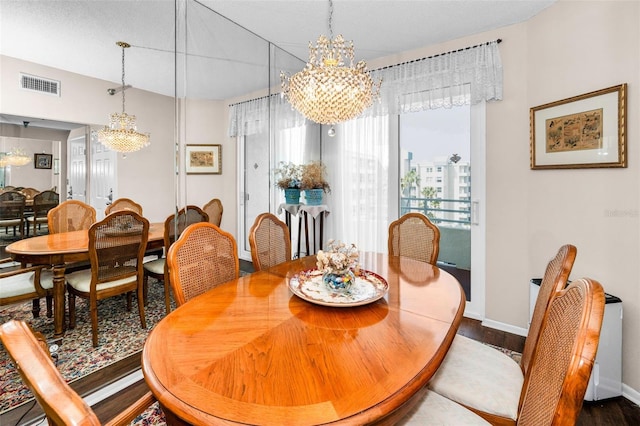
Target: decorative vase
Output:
{"points": [[339, 281], [292, 195], [313, 196]]}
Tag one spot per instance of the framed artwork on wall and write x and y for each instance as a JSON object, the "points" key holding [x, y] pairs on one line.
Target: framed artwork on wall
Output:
{"points": [[204, 159], [42, 161], [584, 131]]}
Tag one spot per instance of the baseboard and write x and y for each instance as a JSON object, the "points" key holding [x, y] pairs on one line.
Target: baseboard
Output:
{"points": [[472, 315], [631, 394], [505, 327], [114, 388]]}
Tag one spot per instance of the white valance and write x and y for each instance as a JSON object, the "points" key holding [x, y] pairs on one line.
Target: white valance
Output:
{"points": [[466, 76], [462, 77], [252, 117]]}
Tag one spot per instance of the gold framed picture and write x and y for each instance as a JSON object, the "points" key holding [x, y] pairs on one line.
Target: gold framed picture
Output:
{"points": [[204, 159], [584, 131]]}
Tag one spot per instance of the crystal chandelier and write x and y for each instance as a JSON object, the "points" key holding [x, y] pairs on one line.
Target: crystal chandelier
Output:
{"points": [[121, 134], [15, 157], [326, 90]]}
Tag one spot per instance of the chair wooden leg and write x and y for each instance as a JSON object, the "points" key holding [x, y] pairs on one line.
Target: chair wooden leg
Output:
{"points": [[49, 300], [145, 289], [129, 298], [167, 297], [72, 310], [36, 308], [143, 320], [94, 321]]}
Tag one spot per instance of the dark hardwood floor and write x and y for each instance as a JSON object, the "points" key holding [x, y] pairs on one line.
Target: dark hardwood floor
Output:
{"points": [[612, 412]]}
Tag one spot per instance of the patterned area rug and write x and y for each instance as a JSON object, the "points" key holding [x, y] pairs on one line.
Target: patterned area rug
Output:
{"points": [[119, 335]]}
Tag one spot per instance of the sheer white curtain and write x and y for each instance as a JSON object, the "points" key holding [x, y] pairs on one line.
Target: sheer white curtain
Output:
{"points": [[363, 158], [358, 162]]}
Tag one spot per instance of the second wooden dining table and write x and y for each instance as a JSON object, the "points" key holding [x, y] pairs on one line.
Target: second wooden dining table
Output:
{"points": [[59, 249], [250, 351]]}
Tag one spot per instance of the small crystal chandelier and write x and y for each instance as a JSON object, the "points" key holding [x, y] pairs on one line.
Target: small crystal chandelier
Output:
{"points": [[15, 157], [326, 90], [121, 134]]}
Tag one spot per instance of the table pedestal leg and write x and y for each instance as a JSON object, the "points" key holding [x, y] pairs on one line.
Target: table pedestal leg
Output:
{"points": [[58, 300]]}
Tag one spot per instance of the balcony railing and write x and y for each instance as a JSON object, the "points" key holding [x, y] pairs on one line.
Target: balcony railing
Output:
{"points": [[439, 210], [453, 217]]}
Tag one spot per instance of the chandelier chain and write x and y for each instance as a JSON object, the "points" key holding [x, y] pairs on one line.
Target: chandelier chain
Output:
{"points": [[123, 79], [330, 20]]}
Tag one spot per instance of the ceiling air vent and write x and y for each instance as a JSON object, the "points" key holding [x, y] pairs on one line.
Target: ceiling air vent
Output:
{"points": [[40, 84]]}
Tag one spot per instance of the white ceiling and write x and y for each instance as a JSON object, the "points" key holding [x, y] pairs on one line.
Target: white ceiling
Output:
{"points": [[223, 60]]}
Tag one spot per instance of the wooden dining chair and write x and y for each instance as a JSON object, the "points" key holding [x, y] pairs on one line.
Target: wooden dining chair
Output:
{"points": [[214, 209], [413, 235], [269, 241], [70, 215], [29, 193], [116, 249], [20, 283], [202, 258], [174, 225], [478, 376], [60, 403], [12, 204], [553, 389], [123, 204], [42, 203]]}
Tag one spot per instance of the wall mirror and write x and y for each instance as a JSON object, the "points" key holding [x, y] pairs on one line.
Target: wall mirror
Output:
{"points": [[187, 65]]}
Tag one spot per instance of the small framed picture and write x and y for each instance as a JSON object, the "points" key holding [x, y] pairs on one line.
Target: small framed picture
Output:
{"points": [[204, 159], [585, 131], [42, 161]]}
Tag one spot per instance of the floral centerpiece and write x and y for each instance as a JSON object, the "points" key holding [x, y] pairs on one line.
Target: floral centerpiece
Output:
{"points": [[288, 178], [338, 265]]}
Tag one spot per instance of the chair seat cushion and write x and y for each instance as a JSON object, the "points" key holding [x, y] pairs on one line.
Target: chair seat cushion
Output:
{"points": [[40, 219], [155, 266], [434, 409], [478, 376], [81, 280], [46, 279], [17, 285]]}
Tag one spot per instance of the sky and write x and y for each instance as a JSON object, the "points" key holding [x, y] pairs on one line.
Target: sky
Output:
{"points": [[436, 133]]}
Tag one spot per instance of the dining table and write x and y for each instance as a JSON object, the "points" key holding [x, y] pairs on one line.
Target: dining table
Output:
{"points": [[60, 249], [265, 348]]}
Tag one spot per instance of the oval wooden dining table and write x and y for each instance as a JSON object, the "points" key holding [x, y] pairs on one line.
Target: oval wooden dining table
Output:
{"points": [[252, 352], [59, 249]]}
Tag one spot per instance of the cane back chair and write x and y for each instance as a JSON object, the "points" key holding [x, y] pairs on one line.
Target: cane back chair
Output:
{"points": [[269, 241], [214, 209], [116, 249], [70, 215], [42, 203], [202, 258], [558, 375], [123, 204], [12, 205], [413, 235], [487, 380], [174, 225]]}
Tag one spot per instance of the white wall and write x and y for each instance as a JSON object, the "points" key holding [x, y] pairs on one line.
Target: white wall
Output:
{"points": [[571, 48], [144, 176]]}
